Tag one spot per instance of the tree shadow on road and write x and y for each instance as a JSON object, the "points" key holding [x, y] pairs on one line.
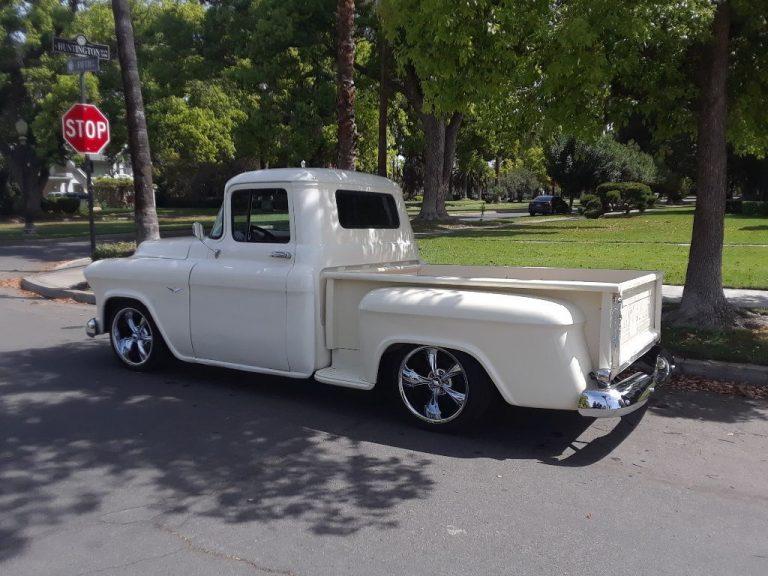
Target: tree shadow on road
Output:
{"points": [[237, 447]]}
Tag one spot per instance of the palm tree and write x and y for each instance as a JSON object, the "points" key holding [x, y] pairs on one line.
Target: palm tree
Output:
{"points": [[345, 63], [147, 227]]}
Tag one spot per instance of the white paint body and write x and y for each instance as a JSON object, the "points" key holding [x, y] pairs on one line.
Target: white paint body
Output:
{"points": [[346, 295]]}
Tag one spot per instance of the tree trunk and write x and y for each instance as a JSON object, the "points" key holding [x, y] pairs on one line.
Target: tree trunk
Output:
{"points": [[496, 169], [704, 303], [147, 227], [345, 63], [434, 153], [449, 152], [383, 105]]}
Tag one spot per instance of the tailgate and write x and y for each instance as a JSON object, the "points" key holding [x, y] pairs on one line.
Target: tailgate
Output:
{"points": [[635, 320]]}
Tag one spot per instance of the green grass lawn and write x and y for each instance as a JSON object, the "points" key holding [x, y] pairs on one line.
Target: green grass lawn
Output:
{"points": [[737, 345], [651, 241], [452, 206], [110, 222]]}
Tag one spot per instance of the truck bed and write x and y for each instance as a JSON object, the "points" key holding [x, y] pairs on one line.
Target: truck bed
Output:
{"points": [[622, 307]]}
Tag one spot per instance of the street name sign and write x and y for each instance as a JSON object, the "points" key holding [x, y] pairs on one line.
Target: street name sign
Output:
{"points": [[85, 128], [80, 65], [80, 47]]}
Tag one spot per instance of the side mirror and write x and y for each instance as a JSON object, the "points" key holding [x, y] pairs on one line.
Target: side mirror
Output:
{"points": [[197, 231]]}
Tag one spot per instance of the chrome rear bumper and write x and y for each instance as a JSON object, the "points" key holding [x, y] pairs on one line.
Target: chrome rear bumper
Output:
{"points": [[627, 395]]}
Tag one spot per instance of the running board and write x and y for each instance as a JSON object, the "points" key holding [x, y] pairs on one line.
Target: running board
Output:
{"points": [[344, 378]]}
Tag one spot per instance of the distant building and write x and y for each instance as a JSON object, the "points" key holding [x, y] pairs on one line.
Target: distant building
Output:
{"points": [[70, 179]]}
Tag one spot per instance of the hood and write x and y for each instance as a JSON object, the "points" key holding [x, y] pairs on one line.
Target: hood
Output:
{"points": [[171, 248]]}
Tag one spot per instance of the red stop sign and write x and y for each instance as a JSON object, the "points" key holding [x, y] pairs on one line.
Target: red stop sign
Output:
{"points": [[85, 128]]}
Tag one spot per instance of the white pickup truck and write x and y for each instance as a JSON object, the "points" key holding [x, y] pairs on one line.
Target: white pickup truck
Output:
{"points": [[313, 272]]}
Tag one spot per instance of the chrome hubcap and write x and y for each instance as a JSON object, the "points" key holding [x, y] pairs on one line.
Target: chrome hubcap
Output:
{"points": [[132, 336], [433, 384]]}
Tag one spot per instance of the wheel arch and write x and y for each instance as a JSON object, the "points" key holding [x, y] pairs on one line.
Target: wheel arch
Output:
{"points": [[390, 347], [114, 298]]}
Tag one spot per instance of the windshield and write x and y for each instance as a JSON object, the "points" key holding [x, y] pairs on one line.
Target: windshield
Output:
{"points": [[218, 226]]}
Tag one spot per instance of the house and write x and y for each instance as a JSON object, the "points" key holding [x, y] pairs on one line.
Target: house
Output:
{"points": [[70, 179]]}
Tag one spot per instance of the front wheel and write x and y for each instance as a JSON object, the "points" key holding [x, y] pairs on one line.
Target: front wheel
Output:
{"points": [[135, 339], [441, 389]]}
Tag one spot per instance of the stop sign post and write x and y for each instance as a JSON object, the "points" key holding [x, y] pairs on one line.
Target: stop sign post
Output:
{"points": [[85, 128]]}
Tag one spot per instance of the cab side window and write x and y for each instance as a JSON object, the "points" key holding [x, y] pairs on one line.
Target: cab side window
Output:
{"points": [[261, 216]]}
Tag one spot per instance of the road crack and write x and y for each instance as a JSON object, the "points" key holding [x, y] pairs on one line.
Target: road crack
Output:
{"points": [[194, 547]]}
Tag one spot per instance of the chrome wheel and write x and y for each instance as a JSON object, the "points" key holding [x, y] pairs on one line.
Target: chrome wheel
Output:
{"points": [[433, 384], [132, 336]]}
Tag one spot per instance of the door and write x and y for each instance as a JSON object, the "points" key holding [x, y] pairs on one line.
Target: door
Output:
{"points": [[238, 297]]}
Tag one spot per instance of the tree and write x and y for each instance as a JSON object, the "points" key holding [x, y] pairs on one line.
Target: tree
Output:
{"points": [[27, 80], [147, 226], [451, 56], [703, 290], [345, 65], [695, 68]]}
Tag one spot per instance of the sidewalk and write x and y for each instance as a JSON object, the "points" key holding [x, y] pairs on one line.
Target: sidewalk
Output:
{"points": [[67, 281]]}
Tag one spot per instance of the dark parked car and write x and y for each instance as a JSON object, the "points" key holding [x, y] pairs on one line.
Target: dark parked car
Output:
{"points": [[548, 205]]}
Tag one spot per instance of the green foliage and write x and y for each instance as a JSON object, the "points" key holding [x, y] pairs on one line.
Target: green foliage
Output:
{"points": [[61, 205], [465, 52], [754, 208], [626, 195], [113, 192], [520, 183], [592, 206], [580, 166], [114, 250], [495, 194]]}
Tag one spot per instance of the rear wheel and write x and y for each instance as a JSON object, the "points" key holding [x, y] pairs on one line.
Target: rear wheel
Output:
{"points": [[440, 389], [135, 339]]}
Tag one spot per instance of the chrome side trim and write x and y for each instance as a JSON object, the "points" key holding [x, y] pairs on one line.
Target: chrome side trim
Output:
{"points": [[626, 396]]}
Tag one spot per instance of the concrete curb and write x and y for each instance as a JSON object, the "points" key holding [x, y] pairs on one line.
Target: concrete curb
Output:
{"points": [[63, 281], [743, 373], [40, 287], [77, 263]]}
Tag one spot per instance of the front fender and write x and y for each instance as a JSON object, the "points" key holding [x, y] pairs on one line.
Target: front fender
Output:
{"points": [[532, 348], [161, 285]]}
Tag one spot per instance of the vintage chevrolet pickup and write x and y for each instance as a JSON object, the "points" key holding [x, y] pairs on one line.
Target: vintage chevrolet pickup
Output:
{"points": [[314, 272]]}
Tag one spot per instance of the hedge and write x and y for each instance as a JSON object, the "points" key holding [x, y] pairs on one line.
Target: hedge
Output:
{"points": [[113, 192], [754, 208], [114, 250], [630, 195], [62, 205]]}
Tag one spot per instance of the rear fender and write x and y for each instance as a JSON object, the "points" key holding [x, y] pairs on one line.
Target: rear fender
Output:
{"points": [[533, 349]]}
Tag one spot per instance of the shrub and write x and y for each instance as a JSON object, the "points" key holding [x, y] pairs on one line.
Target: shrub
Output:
{"points": [[496, 194], [113, 192], [592, 205], [114, 250], [733, 206], [520, 183], [630, 195], [62, 205], [754, 208], [68, 205]]}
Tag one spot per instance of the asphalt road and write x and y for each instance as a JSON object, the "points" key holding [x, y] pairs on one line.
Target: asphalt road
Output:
{"points": [[198, 471]]}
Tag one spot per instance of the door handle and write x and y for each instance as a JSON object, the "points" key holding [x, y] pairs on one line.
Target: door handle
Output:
{"points": [[281, 254]]}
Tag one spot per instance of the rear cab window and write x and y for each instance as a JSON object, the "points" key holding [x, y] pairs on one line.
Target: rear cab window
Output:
{"points": [[366, 210]]}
